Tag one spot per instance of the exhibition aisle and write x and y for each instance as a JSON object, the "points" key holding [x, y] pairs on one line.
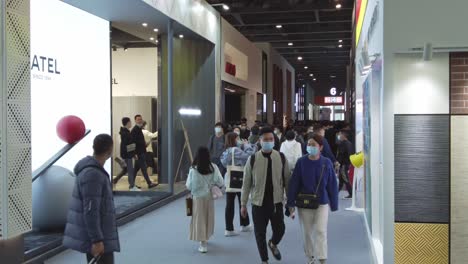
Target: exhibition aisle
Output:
{"points": [[162, 237]]}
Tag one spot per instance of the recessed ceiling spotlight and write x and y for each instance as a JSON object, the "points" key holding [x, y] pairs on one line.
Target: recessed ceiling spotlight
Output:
{"points": [[338, 6], [125, 49], [279, 26], [332, 76], [340, 41], [290, 44], [144, 24], [181, 36], [299, 58], [315, 79], [311, 74], [155, 30], [305, 67], [151, 38], [157, 41], [340, 46], [225, 7]]}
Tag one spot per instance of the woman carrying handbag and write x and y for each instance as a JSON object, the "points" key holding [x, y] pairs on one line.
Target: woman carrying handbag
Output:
{"points": [[204, 181], [313, 189], [234, 158]]}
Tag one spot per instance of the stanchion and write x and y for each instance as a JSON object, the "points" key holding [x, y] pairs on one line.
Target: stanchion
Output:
{"points": [[357, 172]]}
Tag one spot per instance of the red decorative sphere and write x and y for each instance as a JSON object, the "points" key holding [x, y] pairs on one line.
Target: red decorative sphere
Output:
{"points": [[71, 129]]}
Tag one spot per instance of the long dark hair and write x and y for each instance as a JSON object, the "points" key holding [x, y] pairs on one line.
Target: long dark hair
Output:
{"points": [[231, 140], [202, 161]]}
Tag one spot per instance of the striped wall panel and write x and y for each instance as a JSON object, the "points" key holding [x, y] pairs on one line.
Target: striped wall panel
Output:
{"points": [[421, 243], [459, 189], [422, 168]]}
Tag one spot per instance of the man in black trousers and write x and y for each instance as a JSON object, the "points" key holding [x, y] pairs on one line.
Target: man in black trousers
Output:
{"points": [[270, 173], [140, 150]]}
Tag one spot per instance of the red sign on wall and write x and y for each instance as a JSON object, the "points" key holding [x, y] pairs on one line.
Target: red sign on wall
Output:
{"points": [[230, 68], [329, 100]]}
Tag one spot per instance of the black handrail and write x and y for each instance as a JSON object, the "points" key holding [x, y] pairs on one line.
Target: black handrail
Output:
{"points": [[38, 172]]}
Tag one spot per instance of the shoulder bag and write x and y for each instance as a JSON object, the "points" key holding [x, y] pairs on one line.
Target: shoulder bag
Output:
{"points": [[215, 191], [310, 201], [234, 177]]}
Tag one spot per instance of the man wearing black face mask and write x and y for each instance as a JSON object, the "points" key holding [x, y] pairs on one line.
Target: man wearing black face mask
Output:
{"points": [[139, 140]]}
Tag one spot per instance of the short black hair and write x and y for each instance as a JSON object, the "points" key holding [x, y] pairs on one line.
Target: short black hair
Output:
{"points": [[219, 124], [345, 132], [136, 116], [266, 130], [102, 143], [255, 130], [317, 127], [290, 135], [244, 120], [125, 121]]}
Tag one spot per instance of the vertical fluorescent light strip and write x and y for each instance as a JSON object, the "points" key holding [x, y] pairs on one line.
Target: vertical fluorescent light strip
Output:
{"points": [[297, 102], [189, 112], [264, 103], [274, 107]]}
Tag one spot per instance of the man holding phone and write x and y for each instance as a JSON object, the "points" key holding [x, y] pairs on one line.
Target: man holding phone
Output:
{"points": [[91, 224]]}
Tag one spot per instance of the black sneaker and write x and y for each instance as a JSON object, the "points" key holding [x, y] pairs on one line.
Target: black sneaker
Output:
{"points": [[274, 250], [152, 185]]}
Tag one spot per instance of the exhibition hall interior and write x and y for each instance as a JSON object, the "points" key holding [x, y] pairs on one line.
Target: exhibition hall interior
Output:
{"points": [[177, 131]]}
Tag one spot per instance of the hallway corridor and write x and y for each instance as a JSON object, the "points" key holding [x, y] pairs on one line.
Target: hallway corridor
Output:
{"points": [[162, 237]]}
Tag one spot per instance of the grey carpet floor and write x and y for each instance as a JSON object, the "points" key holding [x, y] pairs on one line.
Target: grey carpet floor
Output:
{"points": [[162, 237]]}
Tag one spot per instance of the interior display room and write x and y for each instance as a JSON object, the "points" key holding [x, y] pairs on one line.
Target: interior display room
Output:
{"points": [[411, 123], [281, 80], [246, 59], [71, 75]]}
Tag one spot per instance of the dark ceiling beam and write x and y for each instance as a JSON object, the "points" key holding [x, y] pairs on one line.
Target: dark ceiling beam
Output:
{"points": [[297, 33], [317, 16], [305, 40], [296, 9], [321, 45], [292, 23]]}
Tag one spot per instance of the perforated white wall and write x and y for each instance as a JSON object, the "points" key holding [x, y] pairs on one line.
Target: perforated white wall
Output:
{"points": [[15, 117]]}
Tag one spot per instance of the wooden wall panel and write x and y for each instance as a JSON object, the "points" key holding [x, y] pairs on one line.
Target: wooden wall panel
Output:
{"points": [[422, 168], [421, 243]]}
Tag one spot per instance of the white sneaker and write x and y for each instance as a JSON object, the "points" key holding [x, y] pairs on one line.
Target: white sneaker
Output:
{"points": [[230, 233], [246, 228], [135, 189], [203, 247]]}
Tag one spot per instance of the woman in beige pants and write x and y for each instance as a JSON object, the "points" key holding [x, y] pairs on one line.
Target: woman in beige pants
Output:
{"points": [[314, 174]]}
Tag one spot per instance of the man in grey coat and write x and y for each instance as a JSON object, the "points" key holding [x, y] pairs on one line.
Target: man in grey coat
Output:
{"points": [[91, 225]]}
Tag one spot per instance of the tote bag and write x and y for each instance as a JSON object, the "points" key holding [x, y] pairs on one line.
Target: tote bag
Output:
{"points": [[234, 177]]}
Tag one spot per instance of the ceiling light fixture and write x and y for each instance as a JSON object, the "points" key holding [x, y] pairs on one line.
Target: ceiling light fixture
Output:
{"points": [[155, 30], [305, 67], [299, 58], [151, 38], [338, 6], [315, 79], [290, 44], [157, 41], [279, 26], [225, 7], [340, 46], [340, 41], [181, 36], [332, 76], [311, 74], [144, 24]]}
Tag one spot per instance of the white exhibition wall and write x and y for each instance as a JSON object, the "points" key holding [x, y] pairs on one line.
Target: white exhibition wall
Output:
{"points": [[422, 87], [135, 72], [74, 79], [381, 214]]}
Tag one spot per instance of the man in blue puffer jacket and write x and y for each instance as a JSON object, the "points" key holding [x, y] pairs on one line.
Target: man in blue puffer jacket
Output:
{"points": [[91, 225]]}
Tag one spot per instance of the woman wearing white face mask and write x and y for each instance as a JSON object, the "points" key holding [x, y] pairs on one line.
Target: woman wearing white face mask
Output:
{"points": [[240, 150], [313, 189]]}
